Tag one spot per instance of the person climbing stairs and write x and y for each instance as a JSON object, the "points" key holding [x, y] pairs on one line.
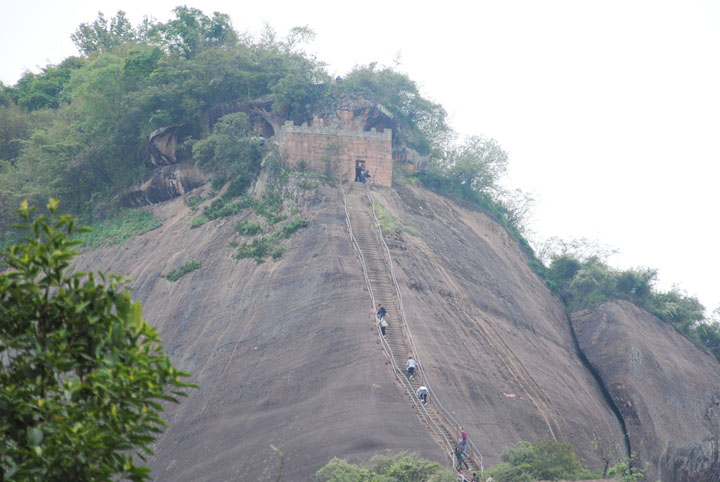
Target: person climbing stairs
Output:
{"points": [[361, 221]]}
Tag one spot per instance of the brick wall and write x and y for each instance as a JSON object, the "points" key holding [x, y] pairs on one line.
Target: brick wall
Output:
{"points": [[332, 150]]}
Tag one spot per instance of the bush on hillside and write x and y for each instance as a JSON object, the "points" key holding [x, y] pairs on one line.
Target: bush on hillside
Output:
{"points": [[585, 281], [544, 460], [385, 468]]}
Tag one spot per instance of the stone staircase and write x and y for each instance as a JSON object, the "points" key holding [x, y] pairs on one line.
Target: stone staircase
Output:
{"points": [[396, 342]]}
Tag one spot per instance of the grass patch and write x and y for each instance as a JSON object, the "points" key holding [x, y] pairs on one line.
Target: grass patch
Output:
{"points": [[388, 224], [191, 202], [248, 228], [290, 228], [270, 207], [259, 249], [119, 228], [411, 230], [177, 273], [219, 208], [309, 185], [270, 245], [197, 222]]}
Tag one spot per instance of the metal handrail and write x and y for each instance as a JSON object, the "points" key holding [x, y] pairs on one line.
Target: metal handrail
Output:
{"points": [[399, 372], [436, 400]]}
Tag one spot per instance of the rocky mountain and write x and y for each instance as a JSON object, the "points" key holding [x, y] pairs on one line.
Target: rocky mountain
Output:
{"points": [[287, 354], [667, 391]]}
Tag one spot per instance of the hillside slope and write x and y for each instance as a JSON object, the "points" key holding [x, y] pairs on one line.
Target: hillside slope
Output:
{"points": [[667, 390], [497, 342], [286, 352]]}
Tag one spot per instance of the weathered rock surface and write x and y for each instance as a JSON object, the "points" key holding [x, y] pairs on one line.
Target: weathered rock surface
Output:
{"points": [[286, 353], [667, 390], [168, 182], [162, 146], [497, 345]]}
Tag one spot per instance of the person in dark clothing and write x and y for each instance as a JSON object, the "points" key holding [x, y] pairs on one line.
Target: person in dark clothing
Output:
{"points": [[460, 452], [366, 177], [359, 174]]}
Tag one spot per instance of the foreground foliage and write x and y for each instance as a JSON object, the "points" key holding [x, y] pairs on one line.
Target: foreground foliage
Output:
{"points": [[82, 375], [544, 460], [385, 468]]}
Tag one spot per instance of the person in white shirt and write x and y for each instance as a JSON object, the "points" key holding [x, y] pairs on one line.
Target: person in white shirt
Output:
{"points": [[411, 364]]}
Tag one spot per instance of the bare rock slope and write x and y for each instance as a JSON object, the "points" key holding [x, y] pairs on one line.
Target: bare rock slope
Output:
{"points": [[286, 352], [667, 390]]}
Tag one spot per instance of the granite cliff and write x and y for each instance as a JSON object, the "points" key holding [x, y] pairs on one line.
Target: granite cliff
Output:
{"points": [[286, 353]]}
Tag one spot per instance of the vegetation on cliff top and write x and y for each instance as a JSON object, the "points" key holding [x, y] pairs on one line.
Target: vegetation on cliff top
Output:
{"points": [[77, 131], [579, 274]]}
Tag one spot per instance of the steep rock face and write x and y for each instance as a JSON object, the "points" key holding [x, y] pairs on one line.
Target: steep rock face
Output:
{"points": [[162, 146], [496, 344], [667, 390], [285, 352]]}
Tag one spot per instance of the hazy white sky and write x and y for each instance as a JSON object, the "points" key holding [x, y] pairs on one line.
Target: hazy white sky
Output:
{"points": [[610, 110]]}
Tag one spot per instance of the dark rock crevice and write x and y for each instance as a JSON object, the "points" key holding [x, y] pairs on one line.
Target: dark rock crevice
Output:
{"points": [[603, 389]]}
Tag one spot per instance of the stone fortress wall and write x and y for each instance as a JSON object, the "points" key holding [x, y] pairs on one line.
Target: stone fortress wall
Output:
{"points": [[336, 150]]}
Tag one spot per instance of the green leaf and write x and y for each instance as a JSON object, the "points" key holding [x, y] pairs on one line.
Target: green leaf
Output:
{"points": [[34, 436], [136, 320]]}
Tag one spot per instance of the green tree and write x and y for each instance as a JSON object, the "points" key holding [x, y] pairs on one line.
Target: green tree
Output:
{"points": [[627, 470], [385, 468], [192, 31], [544, 460], [99, 36], [82, 375], [45, 90], [423, 123], [479, 163], [14, 127], [231, 152]]}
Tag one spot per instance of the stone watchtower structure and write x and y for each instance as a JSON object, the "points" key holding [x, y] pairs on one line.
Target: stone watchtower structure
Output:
{"points": [[338, 151]]}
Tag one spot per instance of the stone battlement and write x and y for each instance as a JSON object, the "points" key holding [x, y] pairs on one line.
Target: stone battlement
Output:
{"points": [[339, 150], [289, 126]]}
